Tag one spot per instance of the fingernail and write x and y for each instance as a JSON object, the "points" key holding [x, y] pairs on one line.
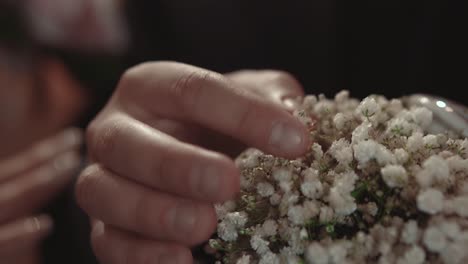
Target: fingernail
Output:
{"points": [[290, 103], [208, 181], [98, 228], [66, 161], [184, 218], [72, 136], [286, 138], [42, 223]]}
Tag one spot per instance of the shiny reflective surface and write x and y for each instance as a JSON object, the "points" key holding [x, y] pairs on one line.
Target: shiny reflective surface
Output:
{"points": [[447, 115]]}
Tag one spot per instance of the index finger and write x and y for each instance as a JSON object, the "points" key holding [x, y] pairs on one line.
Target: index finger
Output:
{"points": [[20, 234], [184, 92], [40, 153]]}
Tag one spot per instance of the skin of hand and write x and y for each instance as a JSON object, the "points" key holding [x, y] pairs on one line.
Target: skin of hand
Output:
{"points": [[27, 182], [158, 152]]}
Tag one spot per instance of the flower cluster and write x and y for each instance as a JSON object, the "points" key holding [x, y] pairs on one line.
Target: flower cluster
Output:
{"points": [[374, 188]]}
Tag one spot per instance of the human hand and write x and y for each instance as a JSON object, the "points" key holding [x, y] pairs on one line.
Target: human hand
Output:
{"points": [[27, 182], [155, 176]]}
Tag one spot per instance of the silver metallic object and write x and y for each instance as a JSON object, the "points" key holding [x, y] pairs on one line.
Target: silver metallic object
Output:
{"points": [[447, 114]]}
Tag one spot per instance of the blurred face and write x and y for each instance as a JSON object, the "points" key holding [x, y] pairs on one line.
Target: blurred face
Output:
{"points": [[91, 25], [35, 102]]}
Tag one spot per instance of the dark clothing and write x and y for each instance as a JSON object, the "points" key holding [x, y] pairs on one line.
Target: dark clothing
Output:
{"points": [[386, 47]]}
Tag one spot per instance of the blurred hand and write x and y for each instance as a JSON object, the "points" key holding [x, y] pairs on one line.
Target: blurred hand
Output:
{"points": [[27, 182], [158, 147]]}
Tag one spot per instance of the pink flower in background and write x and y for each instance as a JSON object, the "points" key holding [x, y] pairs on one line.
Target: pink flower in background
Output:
{"points": [[89, 25]]}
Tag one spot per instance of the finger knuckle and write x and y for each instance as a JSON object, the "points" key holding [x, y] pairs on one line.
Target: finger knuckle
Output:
{"points": [[189, 87], [102, 136], [246, 115], [143, 213], [158, 170]]}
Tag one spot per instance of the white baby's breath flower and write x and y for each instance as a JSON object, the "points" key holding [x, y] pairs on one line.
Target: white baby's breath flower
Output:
{"points": [[311, 186], [288, 256], [410, 233], [401, 155], [295, 242], [415, 142], [463, 188], [340, 194], [366, 151], [394, 106], [265, 189], [430, 201], [275, 199], [269, 228], [238, 219], [430, 141], [286, 186], [227, 231], [422, 116], [304, 234], [324, 107], [316, 254], [340, 120], [326, 214], [291, 235], [415, 255], [343, 204], [368, 107], [438, 167], [400, 127], [337, 252], [231, 223], [394, 175], [463, 149], [260, 245], [311, 208], [312, 189], [317, 151], [342, 97], [456, 164], [303, 117], [434, 239], [310, 174], [300, 214], [451, 229], [460, 206], [223, 209], [245, 259], [269, 258], [282, 175], [251, 159], [424, 178], [455, 253], [341, 151], [288, 200], [310, 101], [361, 132]]}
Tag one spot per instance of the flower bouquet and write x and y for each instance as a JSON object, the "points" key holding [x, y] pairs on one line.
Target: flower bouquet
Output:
{"points": [[374, 188]]}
